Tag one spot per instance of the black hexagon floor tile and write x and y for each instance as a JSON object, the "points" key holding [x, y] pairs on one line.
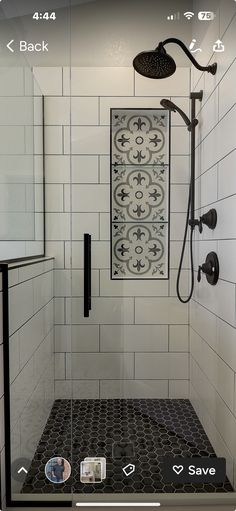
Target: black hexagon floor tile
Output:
{"points": [[156, 427]]}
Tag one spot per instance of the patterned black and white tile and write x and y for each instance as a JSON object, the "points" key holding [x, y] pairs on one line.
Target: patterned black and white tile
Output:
{"points": [[140, 250], [138, 431], [140, 136], [140, 194]]}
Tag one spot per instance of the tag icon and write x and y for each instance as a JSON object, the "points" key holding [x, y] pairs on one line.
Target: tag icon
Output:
{"points": [[129, 469]]}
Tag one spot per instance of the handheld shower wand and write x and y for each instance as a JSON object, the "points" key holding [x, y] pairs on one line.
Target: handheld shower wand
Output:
{"points": [[166, 103]]}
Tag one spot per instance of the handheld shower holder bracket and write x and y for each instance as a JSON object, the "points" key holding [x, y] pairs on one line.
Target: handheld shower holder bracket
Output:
{"points": [[209, 219], [193, 223], [196, 95]]}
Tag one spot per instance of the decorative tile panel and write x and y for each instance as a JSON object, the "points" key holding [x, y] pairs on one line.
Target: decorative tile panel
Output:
{"points": [[140, 136], [139, 193], [139, 250]]}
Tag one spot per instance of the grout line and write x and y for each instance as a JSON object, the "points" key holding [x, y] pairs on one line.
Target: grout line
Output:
{"points": [[87, 96], [64, 254], [65, 318], [125, 352], [99, 172], [63, 141], [212, 349], [32, 355], [213, 386], [215, 126], [63, 198], [31, 317], [99, 111]]}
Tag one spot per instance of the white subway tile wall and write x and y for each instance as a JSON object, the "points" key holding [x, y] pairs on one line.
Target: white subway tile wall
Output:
{"points": [[129, 320], [213, 309], [32, 356]]}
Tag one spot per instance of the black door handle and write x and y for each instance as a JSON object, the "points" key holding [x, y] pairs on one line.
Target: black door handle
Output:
{"points": [[87, 274]]}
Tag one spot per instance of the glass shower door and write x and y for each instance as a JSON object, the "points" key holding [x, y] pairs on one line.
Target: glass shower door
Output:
{"points": [[36, 293], [120, 224]]}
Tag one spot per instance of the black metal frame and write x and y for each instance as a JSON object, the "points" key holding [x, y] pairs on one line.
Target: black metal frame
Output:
{"points": [[4, 269], [6, 378], [44, 180], [87, 274], [169, 186]]}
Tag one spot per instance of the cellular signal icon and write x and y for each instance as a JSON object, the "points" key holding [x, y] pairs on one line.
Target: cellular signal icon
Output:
{"points": [[188, 15], [174, 17]]}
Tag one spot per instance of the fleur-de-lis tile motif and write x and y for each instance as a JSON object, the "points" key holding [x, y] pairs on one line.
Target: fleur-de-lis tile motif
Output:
{"points": [[140, 193], [140, 137], [139, 251]]}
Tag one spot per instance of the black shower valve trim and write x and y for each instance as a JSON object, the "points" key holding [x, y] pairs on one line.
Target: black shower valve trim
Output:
{"points": [[210, 268]]}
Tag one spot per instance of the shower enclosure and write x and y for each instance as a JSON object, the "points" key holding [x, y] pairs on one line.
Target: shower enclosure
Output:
{"points": [[107, 374]]}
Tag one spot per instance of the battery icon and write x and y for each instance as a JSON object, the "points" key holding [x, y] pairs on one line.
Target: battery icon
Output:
{"points": [[206, 15]]}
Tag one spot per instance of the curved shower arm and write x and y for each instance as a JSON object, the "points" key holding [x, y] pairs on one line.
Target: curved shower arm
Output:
{"points": [[211, 68]]}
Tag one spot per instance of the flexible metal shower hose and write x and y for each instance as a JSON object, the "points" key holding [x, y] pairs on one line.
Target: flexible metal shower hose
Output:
{"points": [[182, 256]]}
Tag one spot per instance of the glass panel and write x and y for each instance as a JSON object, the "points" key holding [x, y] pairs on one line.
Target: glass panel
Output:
{"points": [[21, 165], [39, 341]]}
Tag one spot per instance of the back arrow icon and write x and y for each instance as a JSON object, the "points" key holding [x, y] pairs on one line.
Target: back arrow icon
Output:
{"points": [[22, 469], [9, 46]]}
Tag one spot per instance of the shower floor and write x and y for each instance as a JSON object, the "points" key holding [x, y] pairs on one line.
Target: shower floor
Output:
{"points": [[155, 428]]}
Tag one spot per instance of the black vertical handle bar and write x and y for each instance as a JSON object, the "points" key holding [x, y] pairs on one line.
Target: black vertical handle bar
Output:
{"points": [[87, 274]]}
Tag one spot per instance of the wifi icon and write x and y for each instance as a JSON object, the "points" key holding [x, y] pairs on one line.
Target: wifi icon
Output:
{"points": [[188, 15]]}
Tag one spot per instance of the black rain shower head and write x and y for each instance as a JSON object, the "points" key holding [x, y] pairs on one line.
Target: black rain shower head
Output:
{"points": [[158, 64], [155, 63]]}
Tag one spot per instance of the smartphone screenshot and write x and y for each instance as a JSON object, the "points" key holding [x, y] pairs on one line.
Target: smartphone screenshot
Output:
{"points": [[118, 254]]}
